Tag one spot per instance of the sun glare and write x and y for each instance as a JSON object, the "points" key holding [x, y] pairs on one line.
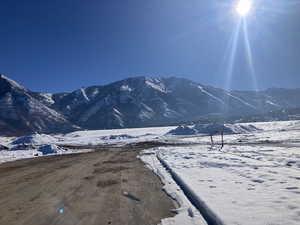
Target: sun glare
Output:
{"points": [[243, 7]]}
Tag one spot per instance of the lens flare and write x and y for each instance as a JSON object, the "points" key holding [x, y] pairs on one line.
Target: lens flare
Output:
{"points": [[243, 7]]}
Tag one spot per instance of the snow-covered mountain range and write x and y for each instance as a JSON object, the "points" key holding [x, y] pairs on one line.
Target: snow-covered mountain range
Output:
{"points": [[21, 112], [133, 102]]}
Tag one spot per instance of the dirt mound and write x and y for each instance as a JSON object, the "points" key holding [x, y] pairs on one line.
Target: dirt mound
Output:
{"points": [[51, 149], [34, 139], [213, 128], [183, 130]]}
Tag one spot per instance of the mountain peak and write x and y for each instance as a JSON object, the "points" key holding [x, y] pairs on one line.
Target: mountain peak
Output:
{"points": [[7, 82]]}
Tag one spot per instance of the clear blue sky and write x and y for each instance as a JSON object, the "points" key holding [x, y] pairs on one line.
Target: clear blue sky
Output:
{"points": [[62, 45]]}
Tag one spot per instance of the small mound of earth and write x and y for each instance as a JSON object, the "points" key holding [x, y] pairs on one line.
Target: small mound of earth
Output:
{"points": [[34, 139], [3, 147], [213, 128], [22, 147], [183, 130], [50, 149], [226, 128]]}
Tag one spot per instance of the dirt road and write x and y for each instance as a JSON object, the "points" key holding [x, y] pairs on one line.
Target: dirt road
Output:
{"points": [[99, 188]]}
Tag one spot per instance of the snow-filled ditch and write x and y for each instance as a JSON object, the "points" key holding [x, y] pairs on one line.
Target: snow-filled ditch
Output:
{"points": [[187, 214]]}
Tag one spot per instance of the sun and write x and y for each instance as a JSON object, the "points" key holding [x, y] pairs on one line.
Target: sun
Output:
{"points": [[243, 7]]}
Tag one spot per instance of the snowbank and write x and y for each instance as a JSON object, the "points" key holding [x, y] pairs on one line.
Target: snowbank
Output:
{"points": [[31, 146], [8, 156], [209, 215], [5, 140], [187, 214]]}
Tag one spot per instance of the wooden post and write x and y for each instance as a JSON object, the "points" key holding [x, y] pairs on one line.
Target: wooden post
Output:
{"points": [[211, 140], [222, 137]]}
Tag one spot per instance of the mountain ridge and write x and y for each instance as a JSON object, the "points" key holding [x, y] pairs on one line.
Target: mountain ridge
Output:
{"points": [[132, 102]]}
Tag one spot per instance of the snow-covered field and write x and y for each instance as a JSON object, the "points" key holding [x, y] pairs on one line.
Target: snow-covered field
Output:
{"points": [[253, 180], [115, 136], [28, 146], [242, 184]]}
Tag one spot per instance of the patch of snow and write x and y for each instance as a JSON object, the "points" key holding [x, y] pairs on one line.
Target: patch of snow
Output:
{"points": [[156, 84], [125, 88], [84, 94], [8, 156], [241, 100], [211, 95], [95, 92], [34, 106], [91, 111], [12, 82], [276, 125], [145, 115], [48, 98], [118, 115], [272, 103], [147, 107], [5, 140], [96, 107], [7, 109], [169, 113], [296, 126], [125, 94], [146, 112]]}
